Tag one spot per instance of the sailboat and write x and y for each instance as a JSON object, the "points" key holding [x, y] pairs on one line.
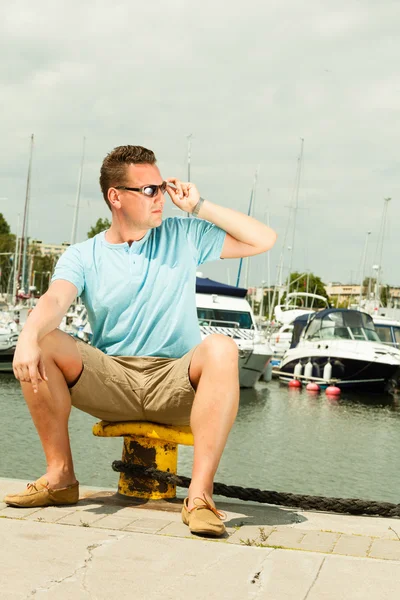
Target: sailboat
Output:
{"points": [[12, 321]]}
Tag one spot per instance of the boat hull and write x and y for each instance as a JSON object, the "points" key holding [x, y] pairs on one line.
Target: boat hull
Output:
{"points": [[6, 358], [251, 367], [351, 373]]}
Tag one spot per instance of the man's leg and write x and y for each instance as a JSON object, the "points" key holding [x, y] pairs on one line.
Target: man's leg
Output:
{"points": [[214, 374], [51, 406]]}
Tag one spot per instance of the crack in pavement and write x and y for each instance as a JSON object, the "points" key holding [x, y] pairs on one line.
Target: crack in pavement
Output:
{"points": [[83, 567], [315, 579]]}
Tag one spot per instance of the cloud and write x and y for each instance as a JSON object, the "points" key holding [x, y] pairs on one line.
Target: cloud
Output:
{"points": [[247, 80]]}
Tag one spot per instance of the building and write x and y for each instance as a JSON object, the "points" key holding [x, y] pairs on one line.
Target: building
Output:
{"points": [[348, 294], [50, 249]]}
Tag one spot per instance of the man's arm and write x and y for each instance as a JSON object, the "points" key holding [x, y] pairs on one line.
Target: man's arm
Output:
{"points": [[245, 236], [49, 311], [45, 317]]}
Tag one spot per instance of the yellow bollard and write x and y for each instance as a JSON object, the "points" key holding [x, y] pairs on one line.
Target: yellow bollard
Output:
{"points": [[150, 445]]}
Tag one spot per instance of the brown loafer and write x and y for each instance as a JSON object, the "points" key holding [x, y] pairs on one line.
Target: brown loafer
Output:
{"points": [[41, 494], [203, 518]]}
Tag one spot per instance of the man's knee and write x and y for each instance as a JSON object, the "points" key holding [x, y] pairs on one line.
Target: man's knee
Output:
{"points": [[54, 342], [62, 349], [220, 350]]}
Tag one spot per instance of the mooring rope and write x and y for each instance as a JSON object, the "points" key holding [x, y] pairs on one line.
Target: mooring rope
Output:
{"points": [[351, 506]]}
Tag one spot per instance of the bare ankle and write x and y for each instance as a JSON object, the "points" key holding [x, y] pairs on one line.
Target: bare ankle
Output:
{"points": [[60, 477], [199, 492]]}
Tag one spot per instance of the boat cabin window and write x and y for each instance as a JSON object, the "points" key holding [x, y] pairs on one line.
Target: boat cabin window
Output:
{"points": [[224, 318], [388, 334], [384, 332], [336, 326]]}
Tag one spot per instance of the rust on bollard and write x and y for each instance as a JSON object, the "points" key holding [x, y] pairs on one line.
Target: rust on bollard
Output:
{"points": [[147, 444]]}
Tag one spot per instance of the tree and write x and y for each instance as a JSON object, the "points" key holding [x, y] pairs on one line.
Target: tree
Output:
{"points": [[7, 249], [4, 226], [368, 286], [42, 268], [308, 282], [101, 225], [385, 295]]}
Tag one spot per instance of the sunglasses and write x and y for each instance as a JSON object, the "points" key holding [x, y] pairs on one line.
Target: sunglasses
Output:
{"points": [[150, 191]]}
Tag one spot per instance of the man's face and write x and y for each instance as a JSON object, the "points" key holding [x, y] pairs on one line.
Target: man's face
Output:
{"points": [[136, 208]]}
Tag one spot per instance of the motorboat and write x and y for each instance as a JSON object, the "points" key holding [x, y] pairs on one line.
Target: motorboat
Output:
{"points": [[223, 309], [295, 305], [341, 346], [8, 340]]}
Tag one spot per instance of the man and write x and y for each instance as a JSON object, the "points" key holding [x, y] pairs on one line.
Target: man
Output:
{"points": [[147, 361]]}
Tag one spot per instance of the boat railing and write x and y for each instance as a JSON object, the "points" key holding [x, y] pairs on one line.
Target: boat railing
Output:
{"points": [[218, 323]]}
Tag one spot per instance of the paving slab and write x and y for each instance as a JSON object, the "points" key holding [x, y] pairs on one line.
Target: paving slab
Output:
{"points": [[389, 549], [381, 527], [148, 525], [353, 545], [288, 538], [346, 578], [81, 518], [319, 541], [113, 522], [49, 515], [250, 535]]}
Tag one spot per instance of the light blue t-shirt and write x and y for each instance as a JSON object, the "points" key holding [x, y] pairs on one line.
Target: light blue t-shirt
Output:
{"points": [[141, 298]]}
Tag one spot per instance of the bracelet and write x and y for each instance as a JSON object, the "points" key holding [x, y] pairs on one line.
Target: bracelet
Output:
{"points": [[196, 210]]}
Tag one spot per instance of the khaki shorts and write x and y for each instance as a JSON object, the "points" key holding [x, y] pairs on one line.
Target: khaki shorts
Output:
{"points": [[134, 388]]}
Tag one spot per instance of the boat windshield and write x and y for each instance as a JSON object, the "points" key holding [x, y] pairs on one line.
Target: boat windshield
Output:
{"points": [[342, 326], [224, 318], [388, 334]]}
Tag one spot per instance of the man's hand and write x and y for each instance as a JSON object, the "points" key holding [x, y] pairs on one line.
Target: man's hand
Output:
{"points": [[28, 363], [184, 195]]}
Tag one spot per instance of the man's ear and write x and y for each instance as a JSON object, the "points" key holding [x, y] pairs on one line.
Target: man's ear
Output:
{"points": [[113, 197]]}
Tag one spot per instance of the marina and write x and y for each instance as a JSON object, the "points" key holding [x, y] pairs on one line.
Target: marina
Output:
{"points": [[283, 439], [217, 177]]}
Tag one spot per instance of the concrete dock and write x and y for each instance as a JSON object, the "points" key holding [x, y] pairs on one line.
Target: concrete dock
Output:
{"points": [[103, 547]]}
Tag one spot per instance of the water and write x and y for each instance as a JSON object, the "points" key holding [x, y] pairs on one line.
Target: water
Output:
{"points": [[283, 439]]}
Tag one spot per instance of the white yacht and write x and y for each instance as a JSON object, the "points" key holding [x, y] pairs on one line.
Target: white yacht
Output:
{"points": [[223, 309], [9, 332], [296, 305], [342, 345]]}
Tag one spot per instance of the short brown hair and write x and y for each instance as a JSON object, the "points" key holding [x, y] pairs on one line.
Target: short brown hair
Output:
{"points": [[113, 169]]}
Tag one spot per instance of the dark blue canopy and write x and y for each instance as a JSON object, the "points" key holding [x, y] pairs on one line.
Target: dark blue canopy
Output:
{"points": [[208, 286], [348, 316], [340, 317], [298, 326]]}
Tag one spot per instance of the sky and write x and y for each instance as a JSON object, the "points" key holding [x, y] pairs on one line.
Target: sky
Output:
{"points": [[248, 81]]}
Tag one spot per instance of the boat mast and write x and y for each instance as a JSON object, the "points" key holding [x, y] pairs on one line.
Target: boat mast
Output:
{"points": [[241, 260], [78, 195], [363, 261], [189, 159], [24, 235], [15, 262], [278, 288], [295, 208], [378, 266], [250, 212]]}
